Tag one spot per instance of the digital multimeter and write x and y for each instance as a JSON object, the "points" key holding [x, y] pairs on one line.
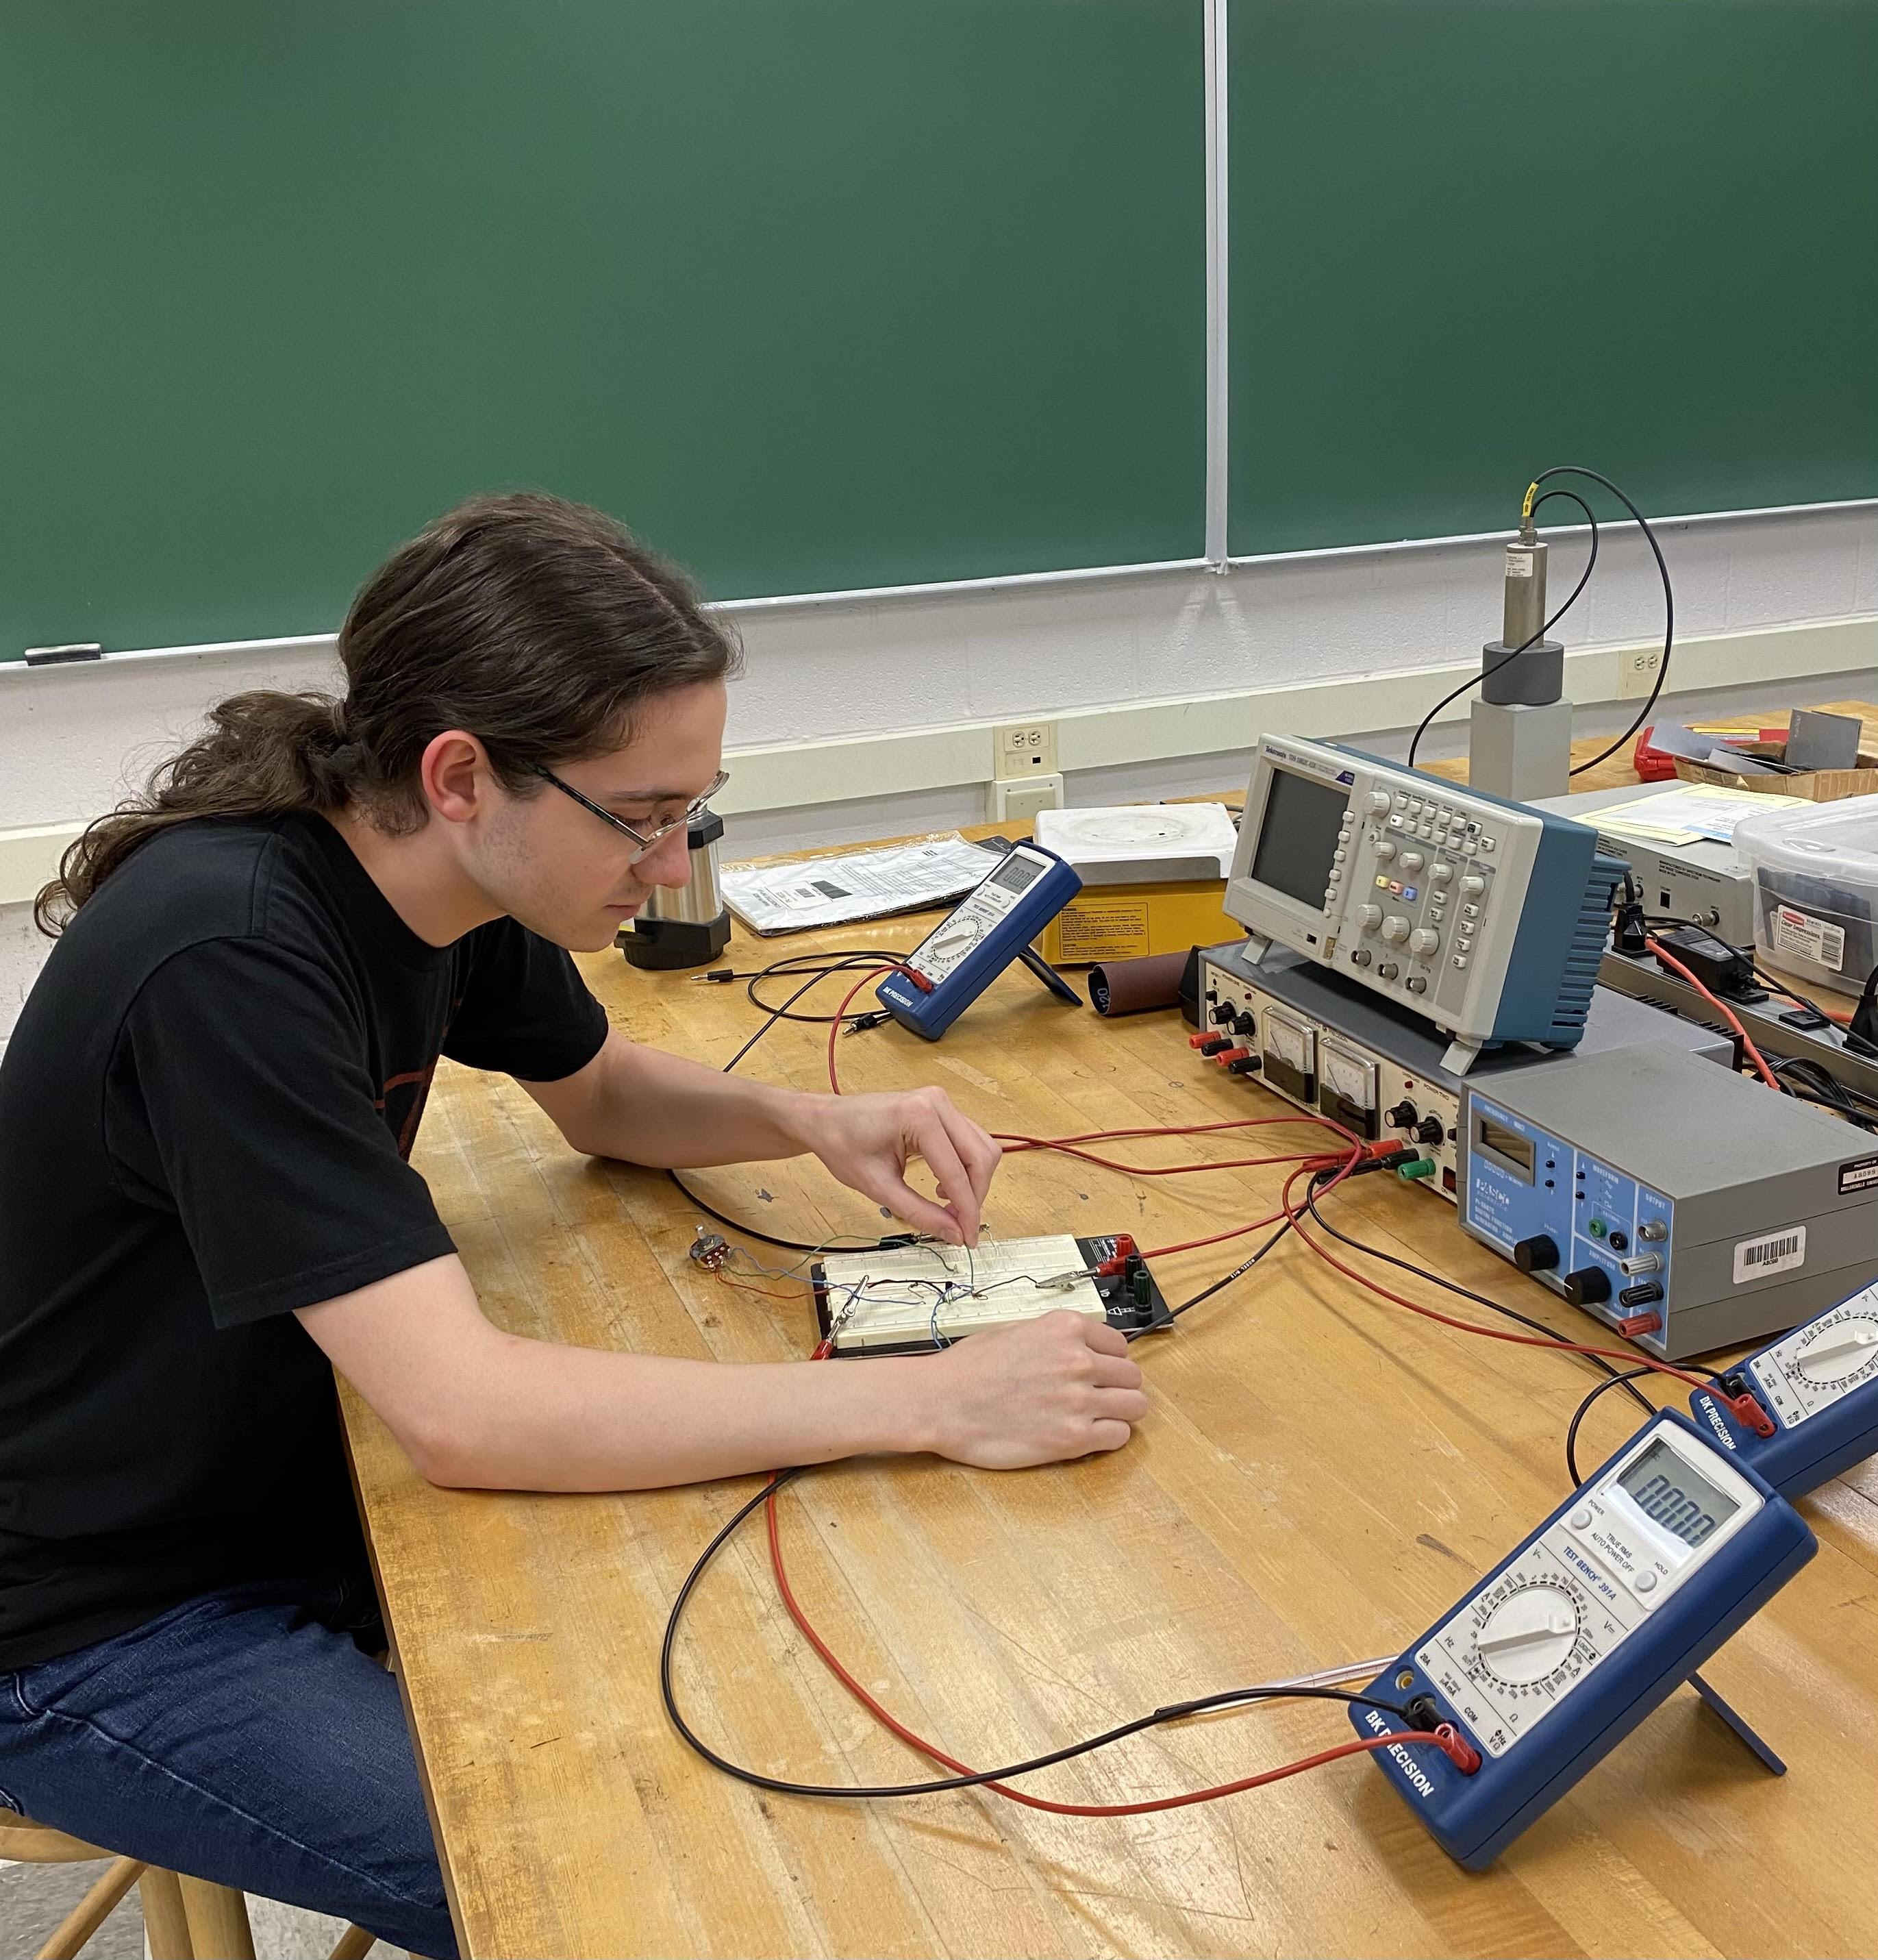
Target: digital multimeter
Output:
{"points": [[1820, 1383], [1607, 1608], [988, 929]]}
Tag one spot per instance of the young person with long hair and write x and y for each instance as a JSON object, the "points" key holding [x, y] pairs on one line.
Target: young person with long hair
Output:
{"points": [[206, 1114]]}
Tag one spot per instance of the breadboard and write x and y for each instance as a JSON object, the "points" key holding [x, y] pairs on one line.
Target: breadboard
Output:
{"points": [[927, 1295]]}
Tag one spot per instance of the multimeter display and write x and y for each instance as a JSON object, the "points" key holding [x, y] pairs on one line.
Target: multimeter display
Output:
{"points": [[1671, 1493], [1016, 873]]}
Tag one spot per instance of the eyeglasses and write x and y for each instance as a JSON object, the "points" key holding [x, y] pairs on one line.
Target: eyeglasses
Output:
{"points": [[643, 840]]}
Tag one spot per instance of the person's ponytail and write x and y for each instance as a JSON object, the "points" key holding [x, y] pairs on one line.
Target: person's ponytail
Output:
{"points": [[262, 753], [536, 625]]}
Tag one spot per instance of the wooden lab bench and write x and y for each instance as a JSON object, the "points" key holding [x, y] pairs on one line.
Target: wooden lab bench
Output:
{"points": [[1320, 1477]]}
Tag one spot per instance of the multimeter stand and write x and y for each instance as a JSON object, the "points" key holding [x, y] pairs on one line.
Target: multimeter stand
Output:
{"points": [[1738, 1727], [1051, 978]]}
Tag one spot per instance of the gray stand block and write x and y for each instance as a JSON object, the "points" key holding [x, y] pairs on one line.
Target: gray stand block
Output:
{"points": [[1519, 752]]}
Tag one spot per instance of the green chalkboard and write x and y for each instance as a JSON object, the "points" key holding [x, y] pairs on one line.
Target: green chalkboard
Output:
{"points": [[1471, 238], [815, 293]]}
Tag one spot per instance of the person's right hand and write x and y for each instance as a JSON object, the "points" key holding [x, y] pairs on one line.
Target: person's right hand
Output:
{"points": [[1059, 1386]]}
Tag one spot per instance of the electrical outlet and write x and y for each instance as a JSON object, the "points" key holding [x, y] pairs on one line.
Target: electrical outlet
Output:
{"points": [[1024, 748], [1018, 802], [1637, 671]]}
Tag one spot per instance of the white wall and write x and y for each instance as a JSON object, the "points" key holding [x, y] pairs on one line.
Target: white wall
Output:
{"points": [[868, 715]]}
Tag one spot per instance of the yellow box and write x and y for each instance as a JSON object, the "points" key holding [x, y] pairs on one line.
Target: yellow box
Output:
{"points": [[1131, 921]]}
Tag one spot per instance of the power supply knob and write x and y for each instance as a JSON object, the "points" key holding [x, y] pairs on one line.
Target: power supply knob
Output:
{"points": [[1471, 887], [1424, 939], [1369, 917], [1395, 928], [1536, 1254], [1377, 801], [1590, 1286], [1412, 861]]}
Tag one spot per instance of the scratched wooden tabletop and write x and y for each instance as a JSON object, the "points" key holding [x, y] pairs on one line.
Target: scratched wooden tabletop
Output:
{"points": [[1321, 1475]]}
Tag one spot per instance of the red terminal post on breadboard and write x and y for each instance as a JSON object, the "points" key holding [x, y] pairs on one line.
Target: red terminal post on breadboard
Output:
{"points": [[1117, 1262]]}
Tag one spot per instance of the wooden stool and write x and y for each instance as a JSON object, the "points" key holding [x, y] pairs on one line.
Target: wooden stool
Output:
{"points": [[184, 1918]]}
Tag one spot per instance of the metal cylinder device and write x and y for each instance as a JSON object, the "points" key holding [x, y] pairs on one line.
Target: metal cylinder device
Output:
{"points": [[1518, 742], [687, 925], [1534, 676], [1525, 591]]}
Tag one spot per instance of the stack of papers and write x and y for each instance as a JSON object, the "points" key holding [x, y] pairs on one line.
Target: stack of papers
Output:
{"points": [[852, 885], [1686, 816]]}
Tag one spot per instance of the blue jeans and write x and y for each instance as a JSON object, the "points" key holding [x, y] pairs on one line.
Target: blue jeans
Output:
{"points": [[243, 1737]]}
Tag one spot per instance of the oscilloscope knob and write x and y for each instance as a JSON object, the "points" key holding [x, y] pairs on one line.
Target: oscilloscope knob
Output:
{"points": [[1395, 928], [1377, 801]]}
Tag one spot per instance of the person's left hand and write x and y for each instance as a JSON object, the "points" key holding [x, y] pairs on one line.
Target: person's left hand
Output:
{"points": [[866, 1140]]}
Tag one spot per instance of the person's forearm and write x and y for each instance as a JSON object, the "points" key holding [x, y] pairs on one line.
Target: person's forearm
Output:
{"points": [[534, 1416], [662, 1110]]}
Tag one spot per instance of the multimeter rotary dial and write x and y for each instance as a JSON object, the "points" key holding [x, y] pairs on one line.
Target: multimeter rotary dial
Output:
{"points": [[1831, 1356], [954, 940], [1528, 1635]]}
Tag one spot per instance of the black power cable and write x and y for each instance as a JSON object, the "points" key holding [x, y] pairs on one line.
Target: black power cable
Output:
{"points": [[1669, 605], [1172, 1712], [1585, 1409], [1479, 1300], [1488, 673], [827, 963]]}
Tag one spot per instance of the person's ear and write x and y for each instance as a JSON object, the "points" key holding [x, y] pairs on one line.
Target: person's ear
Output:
{"points": [[454, 771]]}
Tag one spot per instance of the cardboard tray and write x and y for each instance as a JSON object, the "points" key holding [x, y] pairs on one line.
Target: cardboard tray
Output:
{"points": [[1813, 785]]}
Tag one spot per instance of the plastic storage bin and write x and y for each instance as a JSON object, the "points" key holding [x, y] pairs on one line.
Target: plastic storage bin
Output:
{"points": [[1815, 889]]}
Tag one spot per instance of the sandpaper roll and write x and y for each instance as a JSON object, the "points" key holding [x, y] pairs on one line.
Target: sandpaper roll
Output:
{"points": [[1133, 986]]}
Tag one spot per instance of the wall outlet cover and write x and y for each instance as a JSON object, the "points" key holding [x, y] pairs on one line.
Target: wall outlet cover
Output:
{"points": [[1637, 671], [1019, 802], [1020, 748]]}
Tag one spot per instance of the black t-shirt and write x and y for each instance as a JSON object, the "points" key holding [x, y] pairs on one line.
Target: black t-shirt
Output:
{"points": [[205, 1112]]}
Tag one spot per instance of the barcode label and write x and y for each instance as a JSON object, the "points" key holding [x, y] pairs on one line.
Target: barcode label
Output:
{"points": [[1778, 1252]]}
